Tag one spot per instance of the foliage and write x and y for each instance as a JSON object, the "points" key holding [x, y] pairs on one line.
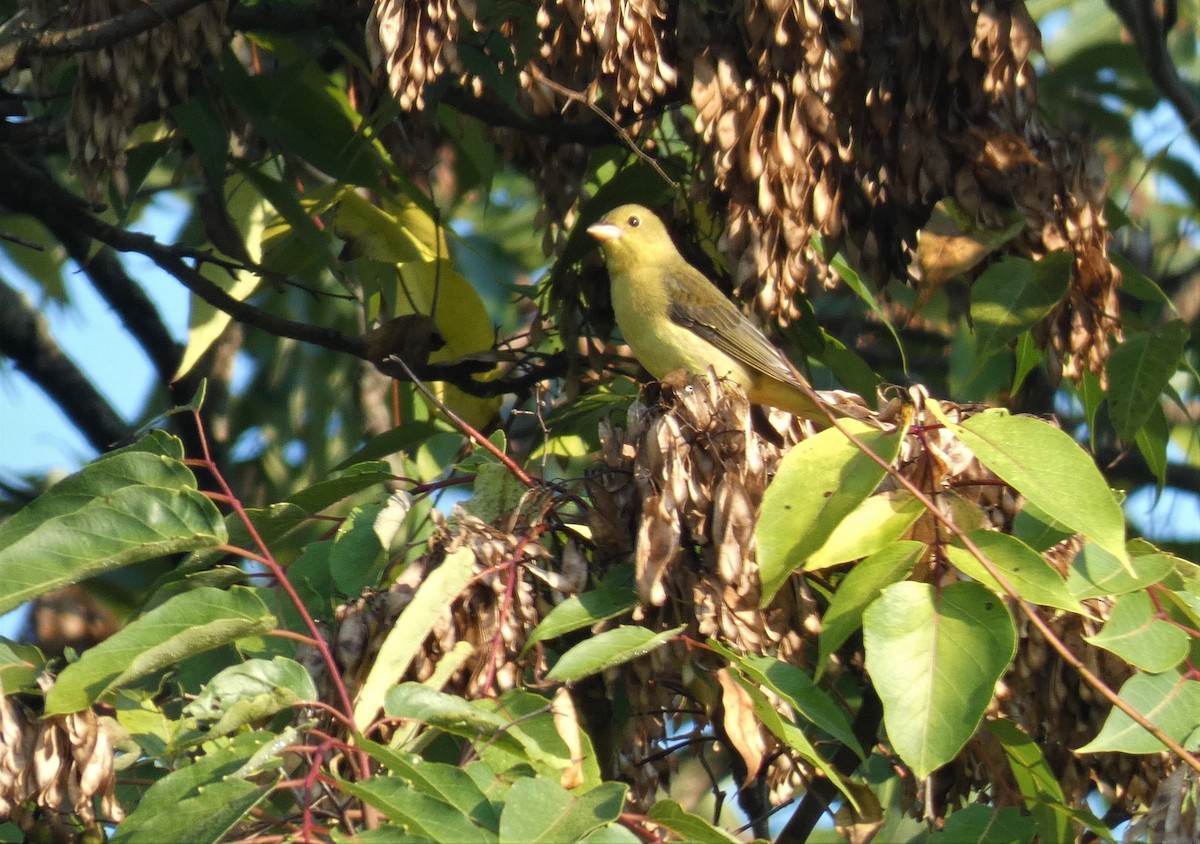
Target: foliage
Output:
{"points": [[434, 568]]}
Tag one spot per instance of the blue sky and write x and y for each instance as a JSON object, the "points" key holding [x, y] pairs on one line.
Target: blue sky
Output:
{"points": [[35, 437]]}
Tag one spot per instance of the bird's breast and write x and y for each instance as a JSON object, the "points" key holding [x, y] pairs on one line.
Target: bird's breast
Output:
{"points": [[661, 345]]}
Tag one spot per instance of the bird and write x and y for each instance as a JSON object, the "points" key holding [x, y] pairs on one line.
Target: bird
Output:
{"points": [[673, 318]]}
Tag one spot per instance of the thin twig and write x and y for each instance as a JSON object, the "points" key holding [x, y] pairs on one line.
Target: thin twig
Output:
{"points": [[465, 426], [585, 101], [268, 559]]}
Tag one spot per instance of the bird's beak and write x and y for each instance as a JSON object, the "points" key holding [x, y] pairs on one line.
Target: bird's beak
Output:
{"points": [[604, 232]]}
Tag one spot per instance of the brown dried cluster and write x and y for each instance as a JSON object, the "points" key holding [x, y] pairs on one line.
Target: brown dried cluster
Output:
{"points": [[52, 770], [680, 489], [493, 615], [116, 82], [839, 118], [591, 49], [416, 43], [765, 106]]}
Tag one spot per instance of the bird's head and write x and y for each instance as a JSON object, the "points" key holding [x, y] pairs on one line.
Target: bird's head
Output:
{"points": [[632, 235]]}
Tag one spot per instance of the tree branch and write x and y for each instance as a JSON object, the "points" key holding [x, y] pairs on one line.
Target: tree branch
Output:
{"points": [[25, 337], [27, 189], [137, 313], [92, 36], [1142, 20]]}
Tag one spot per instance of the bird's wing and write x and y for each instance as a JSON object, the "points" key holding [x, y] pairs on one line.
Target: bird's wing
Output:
{"points": [[720, 323]]}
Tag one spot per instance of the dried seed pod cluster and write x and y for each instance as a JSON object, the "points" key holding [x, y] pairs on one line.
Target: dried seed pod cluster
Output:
{"points": [[492, 615], [679, 488], [838, 118], [52, 770], [416, 42], [766, 114], [115, 82], [686, 481]]}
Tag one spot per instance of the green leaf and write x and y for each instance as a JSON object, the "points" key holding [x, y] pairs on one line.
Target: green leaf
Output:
{"points": [[986, 825], [1152, 439], [448, 712], [847, 366], [608, 649], [875, 525], [254, 689], [358, 555], [387, 833], [819, 482], [1167, 700], [688, 826], [447, 783], [1025, 569], [342, 484], [530, 724], [247, 213], [1138, 370], [1013, 295], [432, 599], [121, 508], [1028, 356], [1094, 572], [183, 626], [206, 133], [539, 811], [1037, 530], [580, 611], [796, 689], [403, 437], [419, 813], [862, 585], [934, 655], [206, 797], [314, 243], [1036, 782], [1135, 633], [20, 666], [613, 833], [1138, 284], [203, 819], [1091, 396], [497, 492], [854, 281], [272, 524], [302, 111], [1051, 470]]}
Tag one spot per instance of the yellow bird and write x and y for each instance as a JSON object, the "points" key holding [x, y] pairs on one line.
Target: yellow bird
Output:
{"points": [[674, 318]]}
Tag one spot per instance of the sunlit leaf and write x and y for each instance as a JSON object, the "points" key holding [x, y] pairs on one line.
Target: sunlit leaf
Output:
{"points": [[123, 507], [187, 624], [1167, 700], [820, 481], [608, 649], [1139, 369], [1051, 470], [934, 655], [861, 586], [1135, 633]]}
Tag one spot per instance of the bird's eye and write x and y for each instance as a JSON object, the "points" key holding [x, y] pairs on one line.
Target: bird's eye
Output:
{"points": [[634, 221]]}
